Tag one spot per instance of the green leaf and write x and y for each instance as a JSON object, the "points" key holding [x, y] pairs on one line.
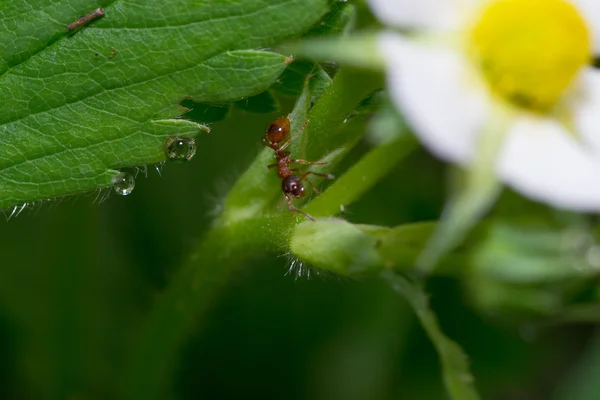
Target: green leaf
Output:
{"points": [[534, 256], [340, 20], [77, 106], [292, 80], [455, 366], [400, 247], [517, 303]]}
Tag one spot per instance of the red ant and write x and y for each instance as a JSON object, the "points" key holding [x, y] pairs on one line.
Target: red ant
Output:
{"points": [[291, 184]]}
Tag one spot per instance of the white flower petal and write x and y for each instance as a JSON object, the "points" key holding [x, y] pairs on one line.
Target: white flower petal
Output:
{"points": [[421, 14], [586, 111], [590, 11], [432, 87], [543, 161]]}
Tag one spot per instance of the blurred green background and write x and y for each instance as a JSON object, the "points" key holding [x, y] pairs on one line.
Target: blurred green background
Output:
{"points": [[78, 278]]}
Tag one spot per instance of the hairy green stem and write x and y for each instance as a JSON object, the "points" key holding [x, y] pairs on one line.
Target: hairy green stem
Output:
{"points": [[347, 90], [232, 239], [258, 189]]}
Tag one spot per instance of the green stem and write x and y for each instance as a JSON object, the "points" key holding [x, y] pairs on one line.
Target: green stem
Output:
{"points": [[455, 365], [347, 90], [235, 237], [258, 189], [361, 177]]}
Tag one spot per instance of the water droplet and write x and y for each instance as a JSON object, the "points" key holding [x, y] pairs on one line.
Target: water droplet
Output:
{"points": [[124, 183], [180, 148]]}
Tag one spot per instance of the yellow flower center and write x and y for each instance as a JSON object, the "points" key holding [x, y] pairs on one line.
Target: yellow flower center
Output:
{"points": [[530, 50]]}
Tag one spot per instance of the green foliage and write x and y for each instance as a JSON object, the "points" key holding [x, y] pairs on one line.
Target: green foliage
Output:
{"points": [[80, 106], [245, 226]]}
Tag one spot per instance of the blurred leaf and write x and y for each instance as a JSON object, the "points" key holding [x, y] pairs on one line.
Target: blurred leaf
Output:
{"points": [[532, 269], [262, 103], [455, 365], [400, 246], [534, 256], [79, 105], [516, 303]]}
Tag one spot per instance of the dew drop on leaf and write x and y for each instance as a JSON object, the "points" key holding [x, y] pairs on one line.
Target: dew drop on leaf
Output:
{"points": [[180, 148], [124, 183]]}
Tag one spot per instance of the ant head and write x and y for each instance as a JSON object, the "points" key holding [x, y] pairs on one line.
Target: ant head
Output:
{"points": [[292, 185], [279, 130]]}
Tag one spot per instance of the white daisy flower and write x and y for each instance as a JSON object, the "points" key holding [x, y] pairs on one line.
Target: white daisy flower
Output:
{"points": [[461, 63]]}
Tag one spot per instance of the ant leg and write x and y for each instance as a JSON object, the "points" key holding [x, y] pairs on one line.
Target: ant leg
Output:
{"points": [[304, 175], [311, 185], [294, 209], [326, 176], [286, 144], [272, 165], [304, 162]]}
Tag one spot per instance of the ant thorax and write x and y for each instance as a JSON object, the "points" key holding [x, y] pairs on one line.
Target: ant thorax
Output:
{"points": [[283, 164]]}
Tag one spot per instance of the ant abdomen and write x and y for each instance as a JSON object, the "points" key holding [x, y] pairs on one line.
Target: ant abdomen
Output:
{"points": [[292, 184], [279, 130]]}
